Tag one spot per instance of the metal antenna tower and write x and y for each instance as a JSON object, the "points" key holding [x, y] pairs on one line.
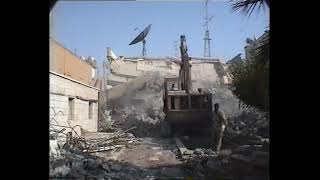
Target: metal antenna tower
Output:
{"points": [[206, 50]]}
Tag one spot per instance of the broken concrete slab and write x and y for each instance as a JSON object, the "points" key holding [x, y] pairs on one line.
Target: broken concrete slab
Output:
{"points": [[183, 150]]}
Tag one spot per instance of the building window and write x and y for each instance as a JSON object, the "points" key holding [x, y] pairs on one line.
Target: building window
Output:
{"points": [[71, 108], [90, 109]]}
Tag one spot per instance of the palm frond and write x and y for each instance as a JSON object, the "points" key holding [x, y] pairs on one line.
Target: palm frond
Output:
{"points": [[247, 6]]}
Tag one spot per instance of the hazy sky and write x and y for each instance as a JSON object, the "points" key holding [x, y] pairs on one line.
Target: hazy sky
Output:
{"points": [[91, 27]]}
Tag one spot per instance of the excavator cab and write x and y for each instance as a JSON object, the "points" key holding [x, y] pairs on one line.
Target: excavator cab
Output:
{"points": [[181, 118]]}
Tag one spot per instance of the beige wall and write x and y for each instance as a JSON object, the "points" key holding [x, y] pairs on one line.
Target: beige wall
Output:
{"points": [[66, 63]]}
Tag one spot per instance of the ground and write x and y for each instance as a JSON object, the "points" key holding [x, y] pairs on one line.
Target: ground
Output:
{"points": [[159, 158]]}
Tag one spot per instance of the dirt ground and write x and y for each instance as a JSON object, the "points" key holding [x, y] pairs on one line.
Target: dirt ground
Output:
{"points": [[151, 153]]}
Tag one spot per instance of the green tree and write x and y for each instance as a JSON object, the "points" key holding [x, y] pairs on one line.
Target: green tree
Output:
{"points": [[251, 78]]}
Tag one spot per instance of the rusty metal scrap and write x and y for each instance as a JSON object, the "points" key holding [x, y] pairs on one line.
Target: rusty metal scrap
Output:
{"points": [[116, 140]]}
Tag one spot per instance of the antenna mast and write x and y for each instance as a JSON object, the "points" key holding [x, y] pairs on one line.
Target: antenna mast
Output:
{"points": [[144, 51], [206, 52]]}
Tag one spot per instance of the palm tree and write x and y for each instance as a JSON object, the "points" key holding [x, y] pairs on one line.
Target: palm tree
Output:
{"points": [[247, 6], [251, 79]]}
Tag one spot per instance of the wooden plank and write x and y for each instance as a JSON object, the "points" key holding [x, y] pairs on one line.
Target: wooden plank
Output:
{"points": [[107, 148], [183, 150]]}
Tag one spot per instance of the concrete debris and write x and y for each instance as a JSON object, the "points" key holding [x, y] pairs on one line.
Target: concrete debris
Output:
{"points": [[106, 167], [54, 149], [106, 121], [142, 107], [60, 171], [249, 123], [198, 151], [115, 167], [90, 164]]}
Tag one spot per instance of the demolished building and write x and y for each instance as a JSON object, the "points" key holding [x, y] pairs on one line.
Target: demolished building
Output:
{"points": [[73, 91], [206, 73]]}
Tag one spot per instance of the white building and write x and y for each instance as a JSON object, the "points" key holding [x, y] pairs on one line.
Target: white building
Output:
{"points": [[73, 97]]}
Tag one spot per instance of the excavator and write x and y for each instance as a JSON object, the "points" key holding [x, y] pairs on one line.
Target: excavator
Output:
{"points": [[186, 112]]}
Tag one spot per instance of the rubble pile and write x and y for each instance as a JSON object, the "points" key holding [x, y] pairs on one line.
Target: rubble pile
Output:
{"points": [[244, 160], [142, 108], [244, 121], [249, 123], [148, 124], [74, 158], [202, 165], [106, 122], [78, 165], [71, 162]]}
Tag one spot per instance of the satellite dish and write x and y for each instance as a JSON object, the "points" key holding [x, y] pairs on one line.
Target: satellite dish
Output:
{"points": [[141, 37]]}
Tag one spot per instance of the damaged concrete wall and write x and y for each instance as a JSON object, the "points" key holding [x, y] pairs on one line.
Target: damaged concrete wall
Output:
{"points": [[125, 70], [213, 72], [204, 75], [128, 68], [72, 98]]}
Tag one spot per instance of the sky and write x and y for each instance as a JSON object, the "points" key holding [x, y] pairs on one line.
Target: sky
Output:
{"points": [[89, 27]]}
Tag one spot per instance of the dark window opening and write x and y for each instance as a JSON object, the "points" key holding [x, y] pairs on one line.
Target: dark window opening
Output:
{"points": [[90, 110], [71, 108]]}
